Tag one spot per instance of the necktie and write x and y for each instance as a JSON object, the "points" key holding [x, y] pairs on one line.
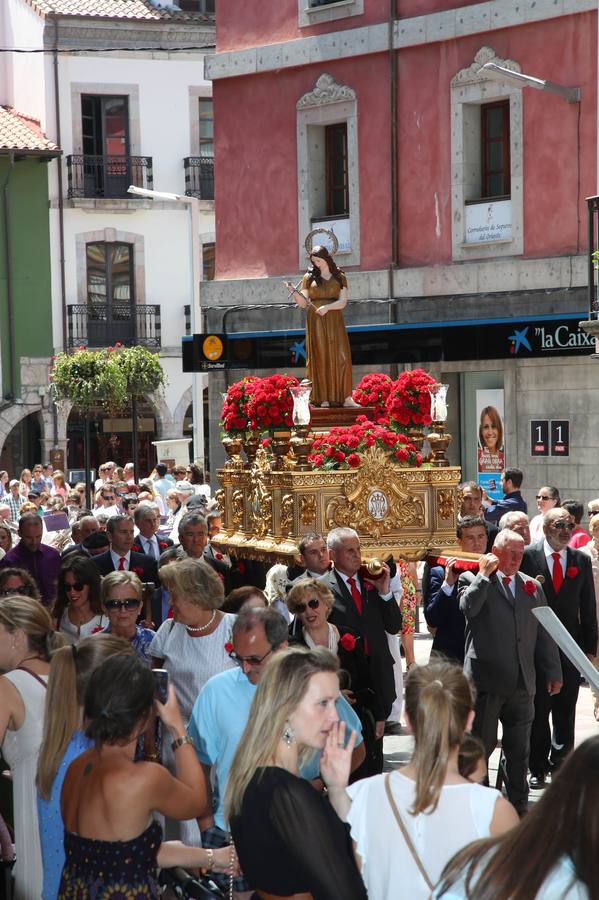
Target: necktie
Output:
{"points": [[507, 582], [355, 592], [150, 549], [122, 564], [558, 575]]}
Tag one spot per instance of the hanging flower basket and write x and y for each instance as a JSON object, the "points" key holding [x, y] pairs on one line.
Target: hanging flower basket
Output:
{"points": [[141, 368]]}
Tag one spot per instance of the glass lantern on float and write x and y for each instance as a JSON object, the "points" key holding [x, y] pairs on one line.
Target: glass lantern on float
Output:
{"points": [[301, 423], [438, 438]]}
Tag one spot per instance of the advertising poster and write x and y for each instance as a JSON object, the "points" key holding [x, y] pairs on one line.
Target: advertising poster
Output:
{"points": [[490, 441]]}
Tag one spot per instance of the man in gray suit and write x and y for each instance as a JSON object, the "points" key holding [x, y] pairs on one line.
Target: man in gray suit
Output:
{"points": [[502, 640]]}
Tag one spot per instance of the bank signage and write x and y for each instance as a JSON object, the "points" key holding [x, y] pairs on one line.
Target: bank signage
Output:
{"points": [[560, 336], [488, 221]]}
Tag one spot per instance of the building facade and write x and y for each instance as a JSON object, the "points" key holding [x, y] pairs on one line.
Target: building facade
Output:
{"points": [[120, 83], [456, 190]]}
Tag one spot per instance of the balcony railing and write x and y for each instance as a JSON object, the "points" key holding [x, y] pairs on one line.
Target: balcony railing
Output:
{"points": [[100, 325], [199, 177], [107, 176]]}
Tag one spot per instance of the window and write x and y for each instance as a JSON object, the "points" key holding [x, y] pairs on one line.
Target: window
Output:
{"points": [[319, 12], [109, 274], [209, 261], [204, 6], [105, 123], [206, 118], [336, 170], [495, 149]]}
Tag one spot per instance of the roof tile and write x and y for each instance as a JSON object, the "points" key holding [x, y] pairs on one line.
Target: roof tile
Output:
{"points": [[19, 132], [114, 9]]}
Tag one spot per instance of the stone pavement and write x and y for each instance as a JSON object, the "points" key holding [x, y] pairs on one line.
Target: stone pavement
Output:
{"points": [[398, 747]]}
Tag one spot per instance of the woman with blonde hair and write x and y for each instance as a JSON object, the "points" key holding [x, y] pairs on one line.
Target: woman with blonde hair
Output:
{"points": [[25, 483], [60, 487], [408, 823], [27, 640], [64, 740], [288, 838], [122, 602]]}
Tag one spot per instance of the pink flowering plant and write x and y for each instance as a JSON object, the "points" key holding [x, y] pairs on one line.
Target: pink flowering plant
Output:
{"points": [[342, 448]]}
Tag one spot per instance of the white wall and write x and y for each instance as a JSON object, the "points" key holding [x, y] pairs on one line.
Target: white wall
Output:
{"points": [[22, 74]]}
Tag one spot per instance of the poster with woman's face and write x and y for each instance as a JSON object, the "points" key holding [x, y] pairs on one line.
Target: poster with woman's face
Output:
{"points": [[490, 440]]}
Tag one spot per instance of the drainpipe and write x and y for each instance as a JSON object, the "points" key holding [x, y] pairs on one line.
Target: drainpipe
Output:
{"points": [[394, 150], [63, 287], [9, 285]]}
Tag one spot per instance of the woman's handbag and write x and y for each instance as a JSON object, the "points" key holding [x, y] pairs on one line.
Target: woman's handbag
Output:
{"points": [[178, 884]]}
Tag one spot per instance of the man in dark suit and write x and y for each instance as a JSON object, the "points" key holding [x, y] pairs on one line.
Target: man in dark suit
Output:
{"points": [[147, 519], [121, 557], [513, 501], [440, 596], [371, 610], [568, 585], [502, 640]]}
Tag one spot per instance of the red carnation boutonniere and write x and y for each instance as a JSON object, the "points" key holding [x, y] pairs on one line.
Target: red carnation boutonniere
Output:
{"points": [[136, 548], [97, 629], [571, 571], [229, 647], [138, 571], [348, 642], [162, 545], [218, 556], [530, 587]]}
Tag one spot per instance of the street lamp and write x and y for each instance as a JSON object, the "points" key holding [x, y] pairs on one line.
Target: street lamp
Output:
{"points": [[197, 396], [501, 73]]}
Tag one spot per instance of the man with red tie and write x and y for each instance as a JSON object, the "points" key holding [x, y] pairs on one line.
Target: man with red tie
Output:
{"points": [[567, 580], [367, 607]]}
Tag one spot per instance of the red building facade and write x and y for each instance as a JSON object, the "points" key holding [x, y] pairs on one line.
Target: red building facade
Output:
{"points": [[457, 192]]}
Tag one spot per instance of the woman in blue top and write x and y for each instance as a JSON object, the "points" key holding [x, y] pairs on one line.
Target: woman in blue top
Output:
{"points": [[122, 602], [63, 741], [551, 854]]}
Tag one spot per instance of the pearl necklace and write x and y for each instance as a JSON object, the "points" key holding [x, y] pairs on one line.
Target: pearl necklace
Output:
{"points": [[202, 627]]}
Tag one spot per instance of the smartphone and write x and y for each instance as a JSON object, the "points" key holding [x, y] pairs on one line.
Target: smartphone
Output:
{"points": [[160, 684]]}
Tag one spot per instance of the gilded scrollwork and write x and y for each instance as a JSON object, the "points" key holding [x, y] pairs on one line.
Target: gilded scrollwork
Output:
{"points": [[308, 509], [237, 502], [445, 504], [287, 509]]}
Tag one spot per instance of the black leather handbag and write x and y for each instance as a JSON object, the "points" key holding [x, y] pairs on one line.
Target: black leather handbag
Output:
{"points": [[178, 883]]}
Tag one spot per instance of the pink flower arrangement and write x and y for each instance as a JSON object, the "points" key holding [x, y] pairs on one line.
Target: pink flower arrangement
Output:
{"points": [[409, 402], [373, 390], [271, 404], [340, 448]]}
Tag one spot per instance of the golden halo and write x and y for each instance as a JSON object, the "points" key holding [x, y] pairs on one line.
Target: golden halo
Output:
{"points": [[308, 242]]}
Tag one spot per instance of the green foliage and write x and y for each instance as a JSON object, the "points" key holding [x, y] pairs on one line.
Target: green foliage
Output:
{"points": [[106, 378]]}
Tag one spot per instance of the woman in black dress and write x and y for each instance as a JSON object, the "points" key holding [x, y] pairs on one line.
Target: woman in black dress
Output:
{"points": [[288, 837]]}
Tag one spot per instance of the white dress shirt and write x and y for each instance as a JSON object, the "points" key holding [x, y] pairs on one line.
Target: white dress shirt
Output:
{"points": [[116, 558], [563, 556]]}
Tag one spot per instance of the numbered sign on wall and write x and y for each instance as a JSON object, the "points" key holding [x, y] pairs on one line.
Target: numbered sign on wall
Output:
{"points": [[550, 438]]}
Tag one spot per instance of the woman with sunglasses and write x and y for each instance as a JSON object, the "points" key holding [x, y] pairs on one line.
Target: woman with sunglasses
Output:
{"points": [[122, 602], [18, 581], [78, 608], [547, 498], [310, 601]]}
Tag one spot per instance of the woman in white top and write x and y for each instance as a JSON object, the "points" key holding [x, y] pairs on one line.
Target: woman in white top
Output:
{"points": [[27, 638], [440, 810], [547, 498], [191, 645], [78, 610], [551, 855]]}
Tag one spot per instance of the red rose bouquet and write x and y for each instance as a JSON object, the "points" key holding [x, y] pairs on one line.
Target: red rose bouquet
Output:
{"points": [[373, 390], [271, 403], [340, 448], [409, 402], [234, 412]]}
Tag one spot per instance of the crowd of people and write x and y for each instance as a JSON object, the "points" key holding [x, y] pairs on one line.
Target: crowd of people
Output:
{"points": [[262, 763]]}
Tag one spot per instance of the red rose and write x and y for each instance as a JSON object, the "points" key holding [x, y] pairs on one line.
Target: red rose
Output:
{"points": [[163, 545], [571, 571], [348, 642], [136, 548], [530, 587], [218, 556], [229, 647], [138, 571], [353, 460]]}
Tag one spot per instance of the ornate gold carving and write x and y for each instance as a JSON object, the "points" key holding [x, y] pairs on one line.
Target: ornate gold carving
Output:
{"points": [[219, 497], [287, 508], [308, 509], [260, 497], [445, 504], [379, 504], [237, 501]]}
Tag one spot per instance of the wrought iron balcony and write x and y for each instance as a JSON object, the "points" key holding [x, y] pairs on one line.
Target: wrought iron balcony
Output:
{"points": [[102, 325], [107, 176], [199, 177]]}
